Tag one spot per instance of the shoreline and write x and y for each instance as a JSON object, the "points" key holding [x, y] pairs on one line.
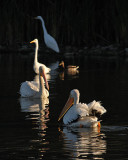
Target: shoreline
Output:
{"points": [[111, 50]]}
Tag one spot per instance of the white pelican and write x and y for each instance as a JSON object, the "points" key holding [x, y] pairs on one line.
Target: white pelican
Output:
{"points": [[34, 90], [49, 40], [36, 63], [80, 114]]}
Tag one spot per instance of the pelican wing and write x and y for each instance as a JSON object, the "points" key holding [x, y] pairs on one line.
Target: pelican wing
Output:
{"points": [[29, 89], [76, 111], [97, 107]]}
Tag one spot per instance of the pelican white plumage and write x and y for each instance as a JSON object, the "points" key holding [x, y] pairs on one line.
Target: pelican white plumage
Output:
{"points": [[80, 114], [48, 39], [36, 64], [32, 89]]}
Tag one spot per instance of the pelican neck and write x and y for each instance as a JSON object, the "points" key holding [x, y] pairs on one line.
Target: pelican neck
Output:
{"points": [[41, 90], [76, 97]]}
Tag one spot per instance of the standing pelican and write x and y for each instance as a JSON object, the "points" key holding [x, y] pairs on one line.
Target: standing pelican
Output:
{"points": [[49, 40], [80, 114], [36, 63], [32, 89]]}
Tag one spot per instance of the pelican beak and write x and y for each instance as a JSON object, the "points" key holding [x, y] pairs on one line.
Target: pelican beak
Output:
{"points": [[32, 41], [68, 104], [45, 79]]}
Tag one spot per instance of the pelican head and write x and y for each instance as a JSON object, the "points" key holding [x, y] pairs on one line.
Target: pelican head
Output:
{"points": [[75, 94], [73, 99], [42, 74]]}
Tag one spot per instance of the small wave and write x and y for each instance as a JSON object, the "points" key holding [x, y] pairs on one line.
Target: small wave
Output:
{"points": [[114, 128]]}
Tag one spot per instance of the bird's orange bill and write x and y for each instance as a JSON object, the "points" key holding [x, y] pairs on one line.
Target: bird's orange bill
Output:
{"points": [[32, 41], [68, 104], [99, 125], [45, 79]]}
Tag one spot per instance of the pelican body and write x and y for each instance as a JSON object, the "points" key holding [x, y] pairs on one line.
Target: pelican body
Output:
{"points": [[77, 114], [31, 89], [36, 64], [48, 39]]}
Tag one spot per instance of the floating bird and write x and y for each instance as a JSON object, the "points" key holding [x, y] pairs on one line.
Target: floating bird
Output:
{"points": [[69, 68], [36, 63], [49, 40], [80, 114], [34, 90]]}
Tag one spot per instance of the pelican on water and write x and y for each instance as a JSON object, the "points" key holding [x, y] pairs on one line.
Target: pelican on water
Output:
{"points": [[32, 89], [77, 114], [36, 64], [48, 39]]}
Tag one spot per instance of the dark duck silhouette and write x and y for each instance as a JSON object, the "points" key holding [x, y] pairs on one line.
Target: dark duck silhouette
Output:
{"points": [[69, 68]]}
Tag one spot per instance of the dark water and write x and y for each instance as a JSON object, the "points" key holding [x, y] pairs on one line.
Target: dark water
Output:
{"points": [[29, 128]]}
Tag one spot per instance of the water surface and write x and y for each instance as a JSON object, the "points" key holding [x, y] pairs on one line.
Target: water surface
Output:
{"points": [[29, 128]]}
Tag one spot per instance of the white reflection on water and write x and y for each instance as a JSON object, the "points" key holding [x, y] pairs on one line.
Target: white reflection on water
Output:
{"points": [[39, 109], [84, 142], [39, 114], [33, 105]]}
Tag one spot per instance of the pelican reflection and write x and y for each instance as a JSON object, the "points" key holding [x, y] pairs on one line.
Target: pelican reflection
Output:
{"points": [[39, 110], [84, 142]]}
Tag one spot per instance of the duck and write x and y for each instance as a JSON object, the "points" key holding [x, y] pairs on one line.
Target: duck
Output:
{"points": [[36, 64], [76, 114], [69, 68], [31, 89]]}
